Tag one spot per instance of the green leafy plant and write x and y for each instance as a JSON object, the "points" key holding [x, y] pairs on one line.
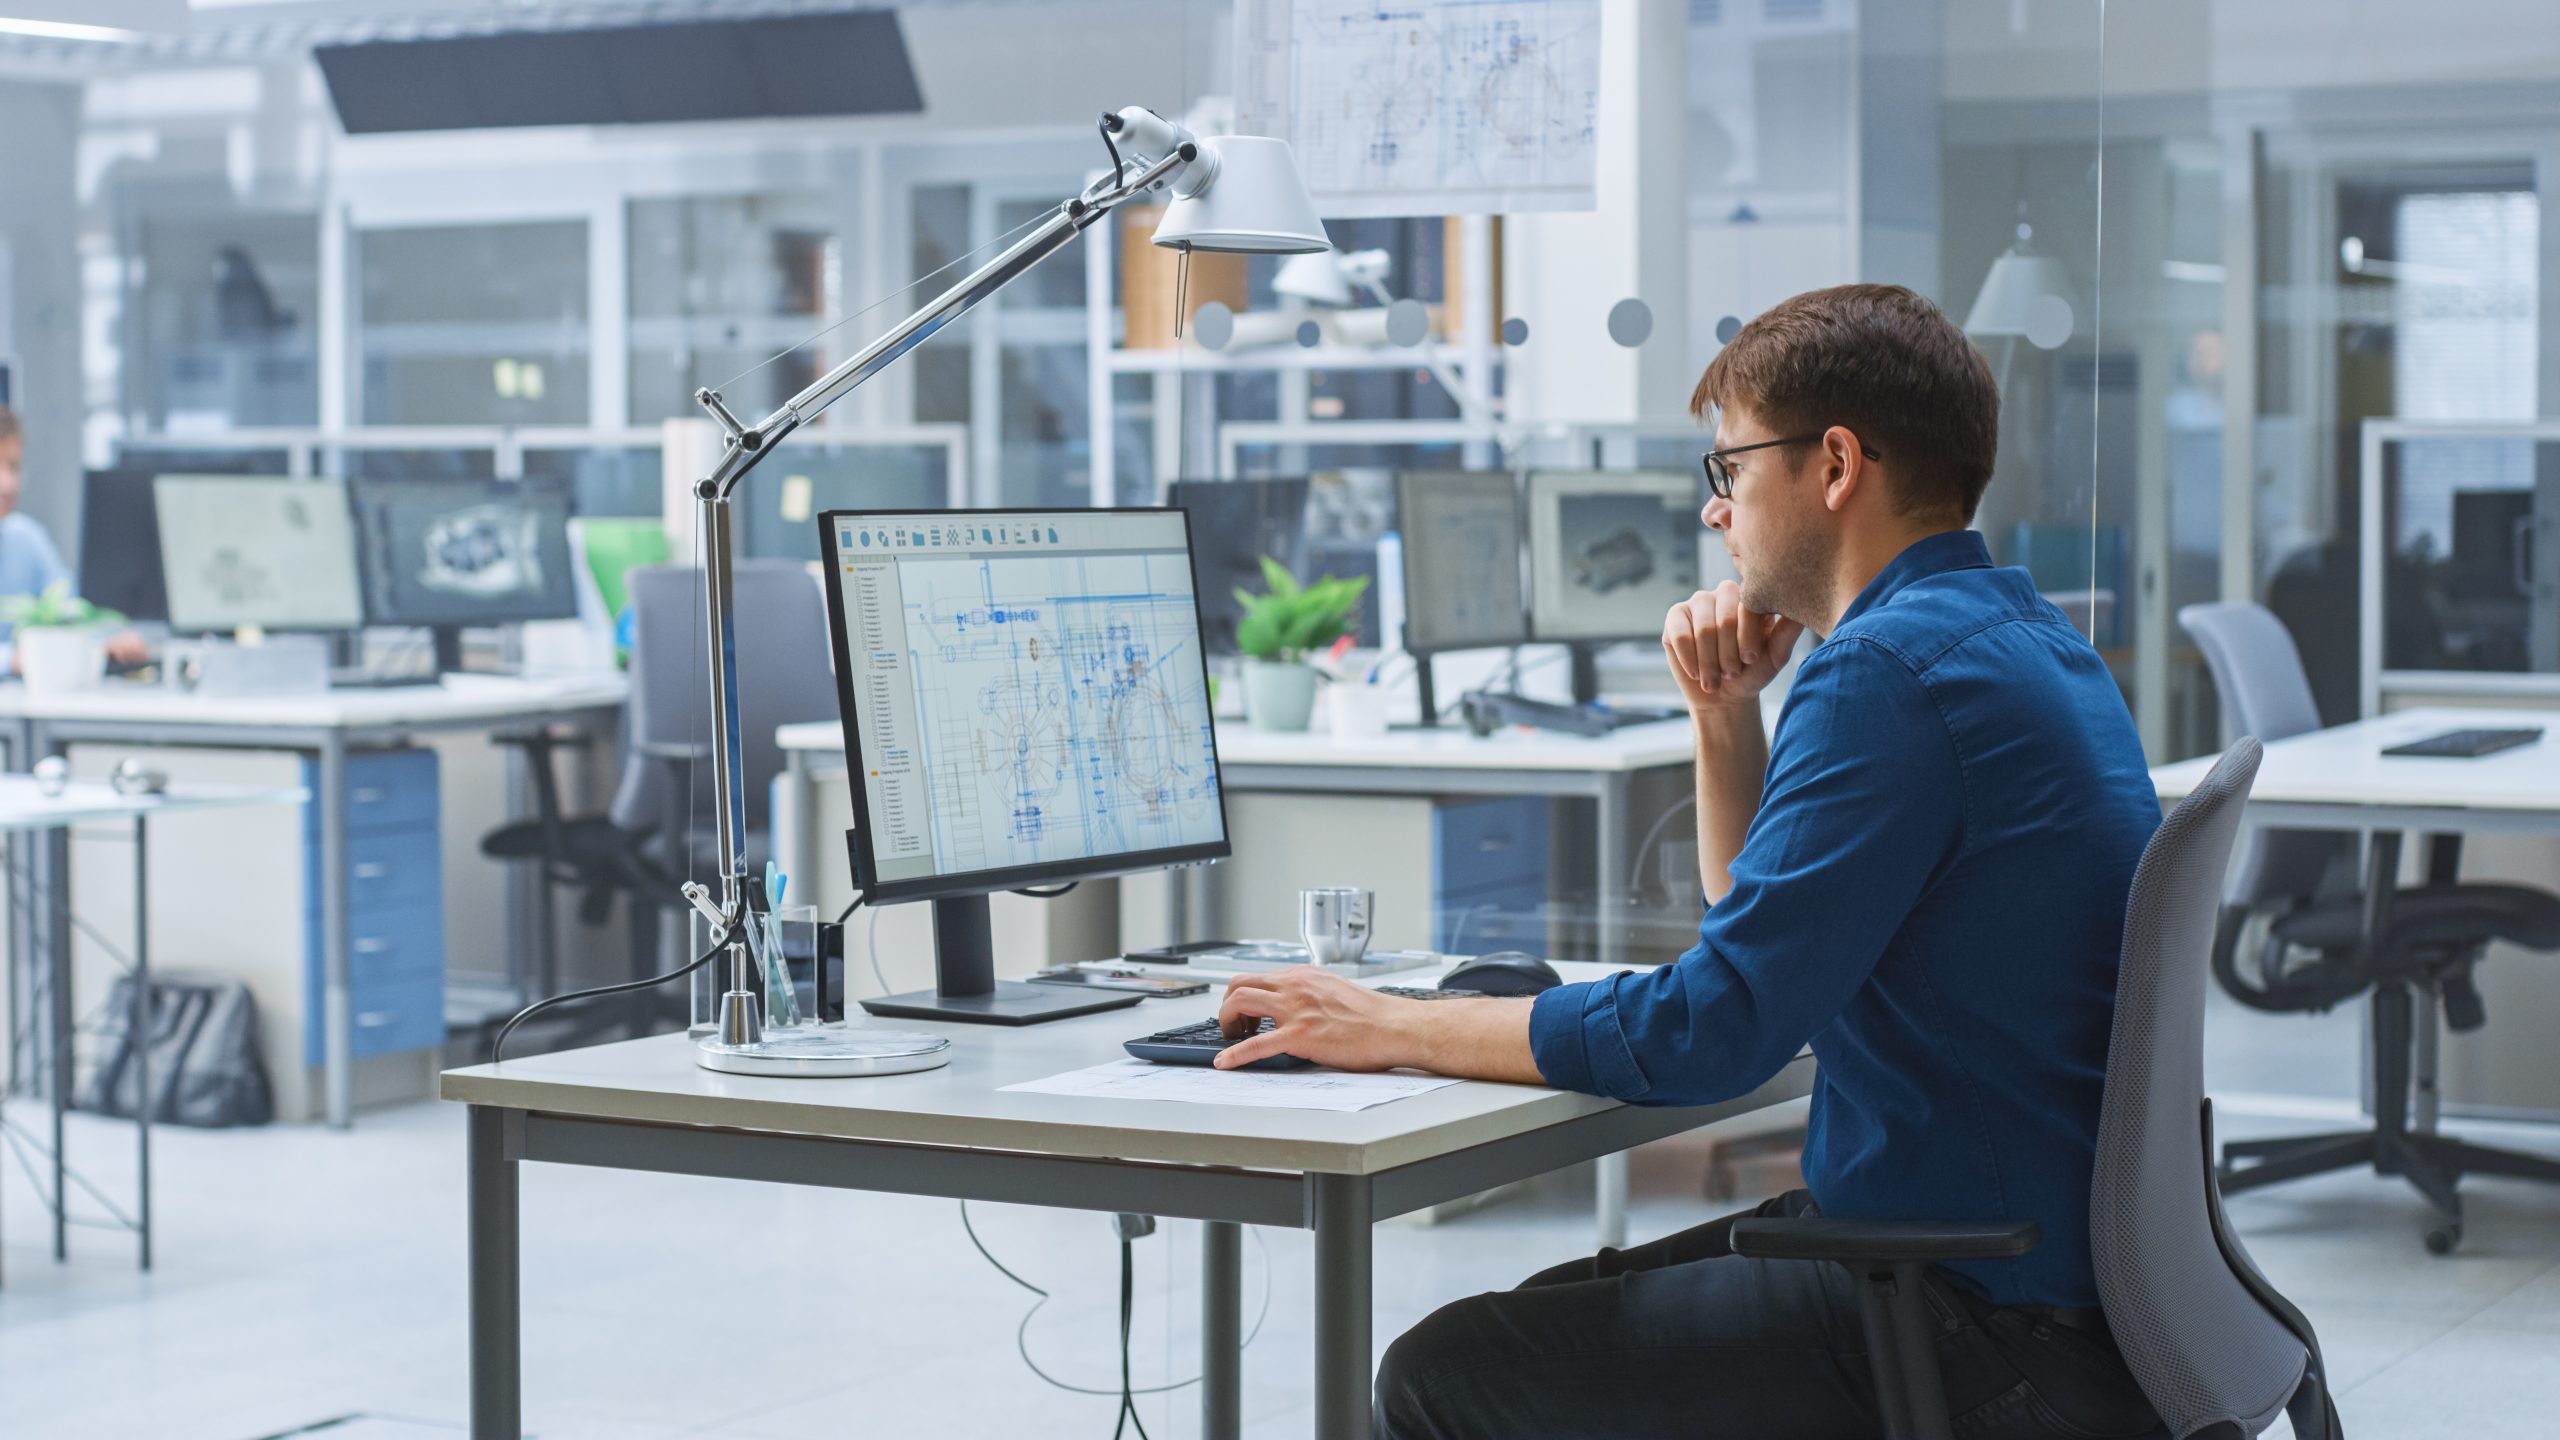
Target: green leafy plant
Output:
{"points": [[56, 609], [1292, 619]]}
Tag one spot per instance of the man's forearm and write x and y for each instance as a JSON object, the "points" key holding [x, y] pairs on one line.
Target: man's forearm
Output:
{"points": [[1476, 1039], [1732, 765]]}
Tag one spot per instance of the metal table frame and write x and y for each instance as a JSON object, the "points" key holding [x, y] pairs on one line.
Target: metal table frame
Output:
{"points": [[328, 746], [1339, 1208]]}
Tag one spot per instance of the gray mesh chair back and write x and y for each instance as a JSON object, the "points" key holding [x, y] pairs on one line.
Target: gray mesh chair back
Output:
{"points": [[2211, 1343], [2258, 674], [785, 675]]}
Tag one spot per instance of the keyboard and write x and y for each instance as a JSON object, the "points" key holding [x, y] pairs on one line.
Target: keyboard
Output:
{"points": [[2467, 744], [1199, 1045]]}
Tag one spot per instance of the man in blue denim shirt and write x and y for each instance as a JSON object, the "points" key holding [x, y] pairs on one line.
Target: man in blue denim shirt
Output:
{"points": [[1923, 877]]}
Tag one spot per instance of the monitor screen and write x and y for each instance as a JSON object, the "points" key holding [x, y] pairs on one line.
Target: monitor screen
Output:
{"points": [[1024, 696], [1234, 523], [1610, 551], [245, 550], [465, 552], [120, 544], [1461, 560]]}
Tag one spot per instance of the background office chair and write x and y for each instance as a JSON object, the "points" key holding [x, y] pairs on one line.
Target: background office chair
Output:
{"points": [[2215, 1348], [2311, 956]]}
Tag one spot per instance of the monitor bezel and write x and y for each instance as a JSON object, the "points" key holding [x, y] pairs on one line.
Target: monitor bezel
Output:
{"points": [[1406, 550], [987, 882], [355, 544], [367, 561], [1539, 634]]}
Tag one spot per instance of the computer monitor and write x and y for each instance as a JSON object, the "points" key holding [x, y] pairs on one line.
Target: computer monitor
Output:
{"points": [[120, 544], [1025, 702], [451, 553], [1234, 523], [1461, 542], [1610, 552], [246, 550]]}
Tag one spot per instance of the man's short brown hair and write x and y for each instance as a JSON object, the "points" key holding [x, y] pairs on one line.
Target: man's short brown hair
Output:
{"points": [[1887, 364]]}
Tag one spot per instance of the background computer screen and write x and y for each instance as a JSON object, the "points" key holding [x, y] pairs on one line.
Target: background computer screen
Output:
{"points": [[1024, 696], [1610, 552], [1234, 523], [240, 550], [465, 552], [120, 544], [1461, 560]]}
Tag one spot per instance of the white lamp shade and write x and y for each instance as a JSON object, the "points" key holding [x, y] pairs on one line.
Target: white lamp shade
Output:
{"points": [[2016, 279], [1315, 277], [1256, 204]]}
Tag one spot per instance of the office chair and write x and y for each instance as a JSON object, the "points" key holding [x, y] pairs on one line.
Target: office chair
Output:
{"points": [[2304, 883], [2217, 1351]]}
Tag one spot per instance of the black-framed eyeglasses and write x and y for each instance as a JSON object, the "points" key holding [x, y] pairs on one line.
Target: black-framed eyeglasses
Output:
{"points": [[1720, 468]]}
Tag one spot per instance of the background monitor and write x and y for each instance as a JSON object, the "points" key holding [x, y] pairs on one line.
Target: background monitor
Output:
{"points": [[1234, 523], [242, 550], [1610, 551], [1025, 697], [1461, 535], [450, 553], [120, 544]]}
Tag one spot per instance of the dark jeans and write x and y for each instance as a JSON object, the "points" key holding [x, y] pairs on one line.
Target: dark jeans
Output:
{"points": [[1684, 1338]]}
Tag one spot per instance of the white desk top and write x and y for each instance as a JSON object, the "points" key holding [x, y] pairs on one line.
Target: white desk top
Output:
{"points": [[2344, 766], [964, 1103], [1452, 747], [457, 700], [24, 806]]}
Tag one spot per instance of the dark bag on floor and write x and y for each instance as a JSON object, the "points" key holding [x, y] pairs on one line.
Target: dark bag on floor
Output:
{"points": [[203, 1055]]}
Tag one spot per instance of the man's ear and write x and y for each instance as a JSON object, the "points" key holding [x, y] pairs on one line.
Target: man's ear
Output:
{"points": [[1846, 472]]}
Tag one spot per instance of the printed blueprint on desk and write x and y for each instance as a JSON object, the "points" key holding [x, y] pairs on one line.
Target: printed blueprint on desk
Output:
{"points": [[1043, 705]]}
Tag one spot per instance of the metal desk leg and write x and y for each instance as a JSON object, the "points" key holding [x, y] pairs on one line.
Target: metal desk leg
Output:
{"points": [[1221, 1330], [57, 1050], [337, 1016], [497, 1356], [140, 1039], [796, 847], [1609, 1172], [1342, 1306]]}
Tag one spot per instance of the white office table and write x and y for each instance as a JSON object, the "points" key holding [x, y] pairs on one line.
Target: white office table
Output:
{"points": [[955, 1132], [323, 726], [1448, 760], [25, 807]]}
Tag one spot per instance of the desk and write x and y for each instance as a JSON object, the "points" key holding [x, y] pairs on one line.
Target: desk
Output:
{"points": [[25, 807], [324, 727], [955, 1132], [1446, 761]]}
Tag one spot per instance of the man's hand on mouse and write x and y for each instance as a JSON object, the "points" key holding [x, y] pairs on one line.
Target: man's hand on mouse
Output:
{"points": [[1722, 654], [1321, 1018]]}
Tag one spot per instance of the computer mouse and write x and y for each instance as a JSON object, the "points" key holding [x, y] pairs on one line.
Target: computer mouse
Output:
{"points": [[1504, 972]]}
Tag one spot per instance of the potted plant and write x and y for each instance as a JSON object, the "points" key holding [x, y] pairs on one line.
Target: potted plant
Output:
{"points": [[1280, 628], [61, 639]]}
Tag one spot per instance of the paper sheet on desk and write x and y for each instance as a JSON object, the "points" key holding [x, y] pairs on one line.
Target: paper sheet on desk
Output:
{"points": [[1274, 1089]]}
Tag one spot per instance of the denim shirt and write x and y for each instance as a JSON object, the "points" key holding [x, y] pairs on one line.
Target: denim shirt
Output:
{"points": [[28, 563], [1932, 896]]}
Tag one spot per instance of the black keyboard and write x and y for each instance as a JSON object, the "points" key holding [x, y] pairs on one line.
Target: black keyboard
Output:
{"points": [[2467, 744], [1199, 1045]]}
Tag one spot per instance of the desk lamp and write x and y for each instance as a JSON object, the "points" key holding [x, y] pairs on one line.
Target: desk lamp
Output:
{"points": [[1232, 194]]}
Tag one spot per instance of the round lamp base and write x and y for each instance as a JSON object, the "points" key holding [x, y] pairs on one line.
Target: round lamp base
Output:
{"points": [[826, 1052]]}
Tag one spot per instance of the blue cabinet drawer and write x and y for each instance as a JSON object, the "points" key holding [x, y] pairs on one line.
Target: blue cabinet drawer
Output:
{"points": [[1481, 920], [387, 1019], [1484, 844], [384, 947], [386, 790], [396, 869]]}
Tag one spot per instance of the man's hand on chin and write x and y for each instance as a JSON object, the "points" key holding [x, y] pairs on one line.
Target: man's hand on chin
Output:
{"points": [[1328, 1020]]}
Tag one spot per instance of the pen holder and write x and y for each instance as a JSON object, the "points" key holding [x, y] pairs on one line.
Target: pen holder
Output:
{"points": [[790, 933], [1357, 711]]}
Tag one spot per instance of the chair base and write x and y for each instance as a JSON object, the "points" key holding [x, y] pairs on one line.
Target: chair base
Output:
{"points": [[2434, 1164]]}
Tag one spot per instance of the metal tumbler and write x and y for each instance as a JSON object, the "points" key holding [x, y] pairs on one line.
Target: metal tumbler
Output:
{"points": [[1334, 921]]}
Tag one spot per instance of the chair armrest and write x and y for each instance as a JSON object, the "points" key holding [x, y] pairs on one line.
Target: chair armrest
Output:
{"points": [[542, 737], [672, 750], [1885, 1241]]}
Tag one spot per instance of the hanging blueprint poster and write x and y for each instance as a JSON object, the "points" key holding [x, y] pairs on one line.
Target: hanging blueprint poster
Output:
{"points": [[1427, 107]]}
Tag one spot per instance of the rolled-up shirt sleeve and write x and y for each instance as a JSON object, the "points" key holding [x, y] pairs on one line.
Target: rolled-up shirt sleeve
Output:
{"points": [[1862, 807]]}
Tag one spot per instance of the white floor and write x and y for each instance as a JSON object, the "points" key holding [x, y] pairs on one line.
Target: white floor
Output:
{"points": [[312, 1282]]}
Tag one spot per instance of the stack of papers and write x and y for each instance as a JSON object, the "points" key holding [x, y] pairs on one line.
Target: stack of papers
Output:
{"points": [[1275, 1089]]}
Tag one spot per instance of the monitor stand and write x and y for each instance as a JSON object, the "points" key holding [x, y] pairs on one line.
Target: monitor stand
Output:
{"points": [[448, 649], [965, 985], [1586, 673]]}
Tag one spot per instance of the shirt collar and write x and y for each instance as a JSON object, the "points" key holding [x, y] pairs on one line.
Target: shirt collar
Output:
{"points": [[1929, 555]]}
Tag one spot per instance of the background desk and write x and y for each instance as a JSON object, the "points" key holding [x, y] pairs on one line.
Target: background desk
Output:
{"points": [[645, 1105], [323, 728]]}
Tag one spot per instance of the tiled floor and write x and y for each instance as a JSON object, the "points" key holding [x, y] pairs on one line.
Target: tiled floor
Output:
{"points": [[308, 1277]]}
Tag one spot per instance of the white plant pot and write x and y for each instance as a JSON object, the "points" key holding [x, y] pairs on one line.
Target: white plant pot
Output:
{"points": [[54, 659], [1279, 696]]}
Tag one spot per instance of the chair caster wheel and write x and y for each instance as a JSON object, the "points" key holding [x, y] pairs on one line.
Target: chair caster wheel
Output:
{"points": [[2442, 1239]]}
